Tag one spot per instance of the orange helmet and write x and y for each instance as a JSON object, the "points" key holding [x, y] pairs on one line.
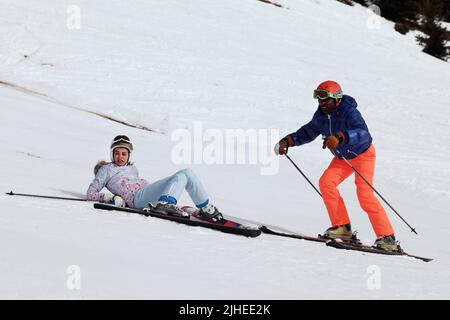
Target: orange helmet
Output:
{"points": [[328, 89]]}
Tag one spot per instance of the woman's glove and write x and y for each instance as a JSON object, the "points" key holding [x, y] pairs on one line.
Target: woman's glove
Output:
{"points": [[114, 200]]}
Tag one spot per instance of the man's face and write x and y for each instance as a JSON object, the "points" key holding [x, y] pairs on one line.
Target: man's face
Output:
{"points": [[327, 105]]}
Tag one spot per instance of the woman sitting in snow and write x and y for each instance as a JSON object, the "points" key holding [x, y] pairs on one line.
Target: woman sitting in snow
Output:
{"points": [[121, 178]]}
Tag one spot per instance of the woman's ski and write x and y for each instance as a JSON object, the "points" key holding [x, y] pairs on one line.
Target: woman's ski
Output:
{"points": [[225, 225]]}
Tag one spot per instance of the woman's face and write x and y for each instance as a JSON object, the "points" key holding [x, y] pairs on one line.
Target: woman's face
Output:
{"points": [[121, 156]]}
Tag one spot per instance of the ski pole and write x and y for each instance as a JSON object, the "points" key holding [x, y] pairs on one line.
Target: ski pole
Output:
{"points": [[312, 185], [358, 173], [44, 196]]}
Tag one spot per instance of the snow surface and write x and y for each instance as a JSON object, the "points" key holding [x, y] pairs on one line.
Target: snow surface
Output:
{"points": [[230, 64]]}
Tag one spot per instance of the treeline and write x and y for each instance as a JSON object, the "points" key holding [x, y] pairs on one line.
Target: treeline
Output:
{"points": [[423, 15]]}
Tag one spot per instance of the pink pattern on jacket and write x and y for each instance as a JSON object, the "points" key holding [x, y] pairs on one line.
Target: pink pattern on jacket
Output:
{"points": [[123, 181]]}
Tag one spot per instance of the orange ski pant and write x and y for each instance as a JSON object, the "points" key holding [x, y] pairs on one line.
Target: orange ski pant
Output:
{"points": [[338, 171]]}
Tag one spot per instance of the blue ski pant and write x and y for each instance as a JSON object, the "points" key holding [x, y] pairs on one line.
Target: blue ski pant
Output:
{"points": [[172, 187]]}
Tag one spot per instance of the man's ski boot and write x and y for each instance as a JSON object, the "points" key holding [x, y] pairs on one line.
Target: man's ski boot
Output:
{"points": [[169, 209], [211, 212], [342, 232], [387, 243]]}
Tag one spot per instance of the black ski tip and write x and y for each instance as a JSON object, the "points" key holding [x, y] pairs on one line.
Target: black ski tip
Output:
{"points": [[253, 233], [10, 193], [427, 259], [104, 206]]}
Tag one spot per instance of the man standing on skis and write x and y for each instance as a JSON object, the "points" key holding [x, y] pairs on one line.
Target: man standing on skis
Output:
{"points": [[346, 135]]}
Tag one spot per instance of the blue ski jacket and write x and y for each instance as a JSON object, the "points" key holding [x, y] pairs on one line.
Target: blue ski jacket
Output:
{"points": [[347, 119]]}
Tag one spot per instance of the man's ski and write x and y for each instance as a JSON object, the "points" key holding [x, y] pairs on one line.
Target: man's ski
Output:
{"points": [[289, 234], [338, 244], [226, 225], [369, 249]]}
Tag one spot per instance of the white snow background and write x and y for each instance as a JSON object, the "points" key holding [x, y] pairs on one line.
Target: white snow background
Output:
{"points": [[230, 64]]}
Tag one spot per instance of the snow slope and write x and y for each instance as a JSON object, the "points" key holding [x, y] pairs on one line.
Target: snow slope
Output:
{"points": [[229, 64]]}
